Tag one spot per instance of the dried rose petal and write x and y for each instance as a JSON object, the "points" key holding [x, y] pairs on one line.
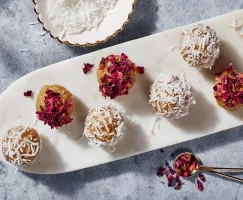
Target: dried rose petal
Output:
{"points": [[178, 186], [119, 80], [202, 177], [140, 70], [28, 93], [161, 171], [55, 113], [170, 179], [186, 174], [199, 185], [123, 56], [167, 164], [87, 67], [172, 171], [177, 179]]}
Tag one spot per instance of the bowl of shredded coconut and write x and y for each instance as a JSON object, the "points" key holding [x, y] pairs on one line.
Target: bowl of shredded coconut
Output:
{"points": [[84, 22]]}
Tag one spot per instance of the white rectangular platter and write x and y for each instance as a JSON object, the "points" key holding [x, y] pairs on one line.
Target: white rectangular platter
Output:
{"points": [[62, 153]]}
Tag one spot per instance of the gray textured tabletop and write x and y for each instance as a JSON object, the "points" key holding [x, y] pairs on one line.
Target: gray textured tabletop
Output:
{"points": [[131, 178]]}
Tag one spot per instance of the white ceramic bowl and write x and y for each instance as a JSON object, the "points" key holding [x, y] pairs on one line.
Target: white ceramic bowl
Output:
{"points": [[111, 25]]}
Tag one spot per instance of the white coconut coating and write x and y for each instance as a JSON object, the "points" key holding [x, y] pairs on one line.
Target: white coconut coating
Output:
{"points": [[171, 96], [200, 46], [104, 125], [21, 145]]}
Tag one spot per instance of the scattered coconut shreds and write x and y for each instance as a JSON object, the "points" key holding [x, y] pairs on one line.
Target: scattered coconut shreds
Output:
{"points": [[199, 185], [140, 70], [87, 67], [28, 93], [202, 177]]}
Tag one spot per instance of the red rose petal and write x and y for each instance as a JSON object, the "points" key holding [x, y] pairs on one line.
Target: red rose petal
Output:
{"points": [[172, 171], [28, 93], [177, 179], [55, 113], [178, 186], [161, 171], [229, 87], [170, 179], [199, 185], [140, 70], [202, 177], [87, 67]]}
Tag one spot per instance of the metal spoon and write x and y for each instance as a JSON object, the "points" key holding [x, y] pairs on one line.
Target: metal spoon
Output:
{"points": [[199, 167]]}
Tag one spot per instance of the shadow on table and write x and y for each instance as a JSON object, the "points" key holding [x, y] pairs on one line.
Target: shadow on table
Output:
{"points": [[142, 24], [202, 117], [228, 55]]}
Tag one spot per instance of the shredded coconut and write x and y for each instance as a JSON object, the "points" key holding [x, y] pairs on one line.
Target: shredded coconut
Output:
{"points": [[77, 16], [200, 46], [237, 25], [104, 125], [171, 96]]}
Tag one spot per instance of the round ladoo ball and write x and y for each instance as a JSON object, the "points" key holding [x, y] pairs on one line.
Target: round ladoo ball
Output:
{"points": [[116, 75], [104, 126], [54, 105], [171, 96], [200, 46], [21, 146], [228, 89]]}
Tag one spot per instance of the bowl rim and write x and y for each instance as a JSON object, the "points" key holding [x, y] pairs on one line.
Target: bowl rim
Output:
{"points": [[86, 44]]}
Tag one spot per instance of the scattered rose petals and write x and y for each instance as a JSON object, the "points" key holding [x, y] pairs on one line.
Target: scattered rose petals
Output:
{"points": [[202, 177], [170, 179], [140, 70], [87, 67], [28, 93], [55, 113], [199, 185], [161, 171]]}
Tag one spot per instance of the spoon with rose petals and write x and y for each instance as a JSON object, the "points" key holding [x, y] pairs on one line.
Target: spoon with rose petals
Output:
{"points": [[187, 164]]}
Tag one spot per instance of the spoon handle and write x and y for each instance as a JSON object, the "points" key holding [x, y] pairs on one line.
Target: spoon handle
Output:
{"points": [[226, 176], [206, 168]]}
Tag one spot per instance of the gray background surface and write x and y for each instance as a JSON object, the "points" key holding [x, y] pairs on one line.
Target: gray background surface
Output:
{"points": [[135, 177]]}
